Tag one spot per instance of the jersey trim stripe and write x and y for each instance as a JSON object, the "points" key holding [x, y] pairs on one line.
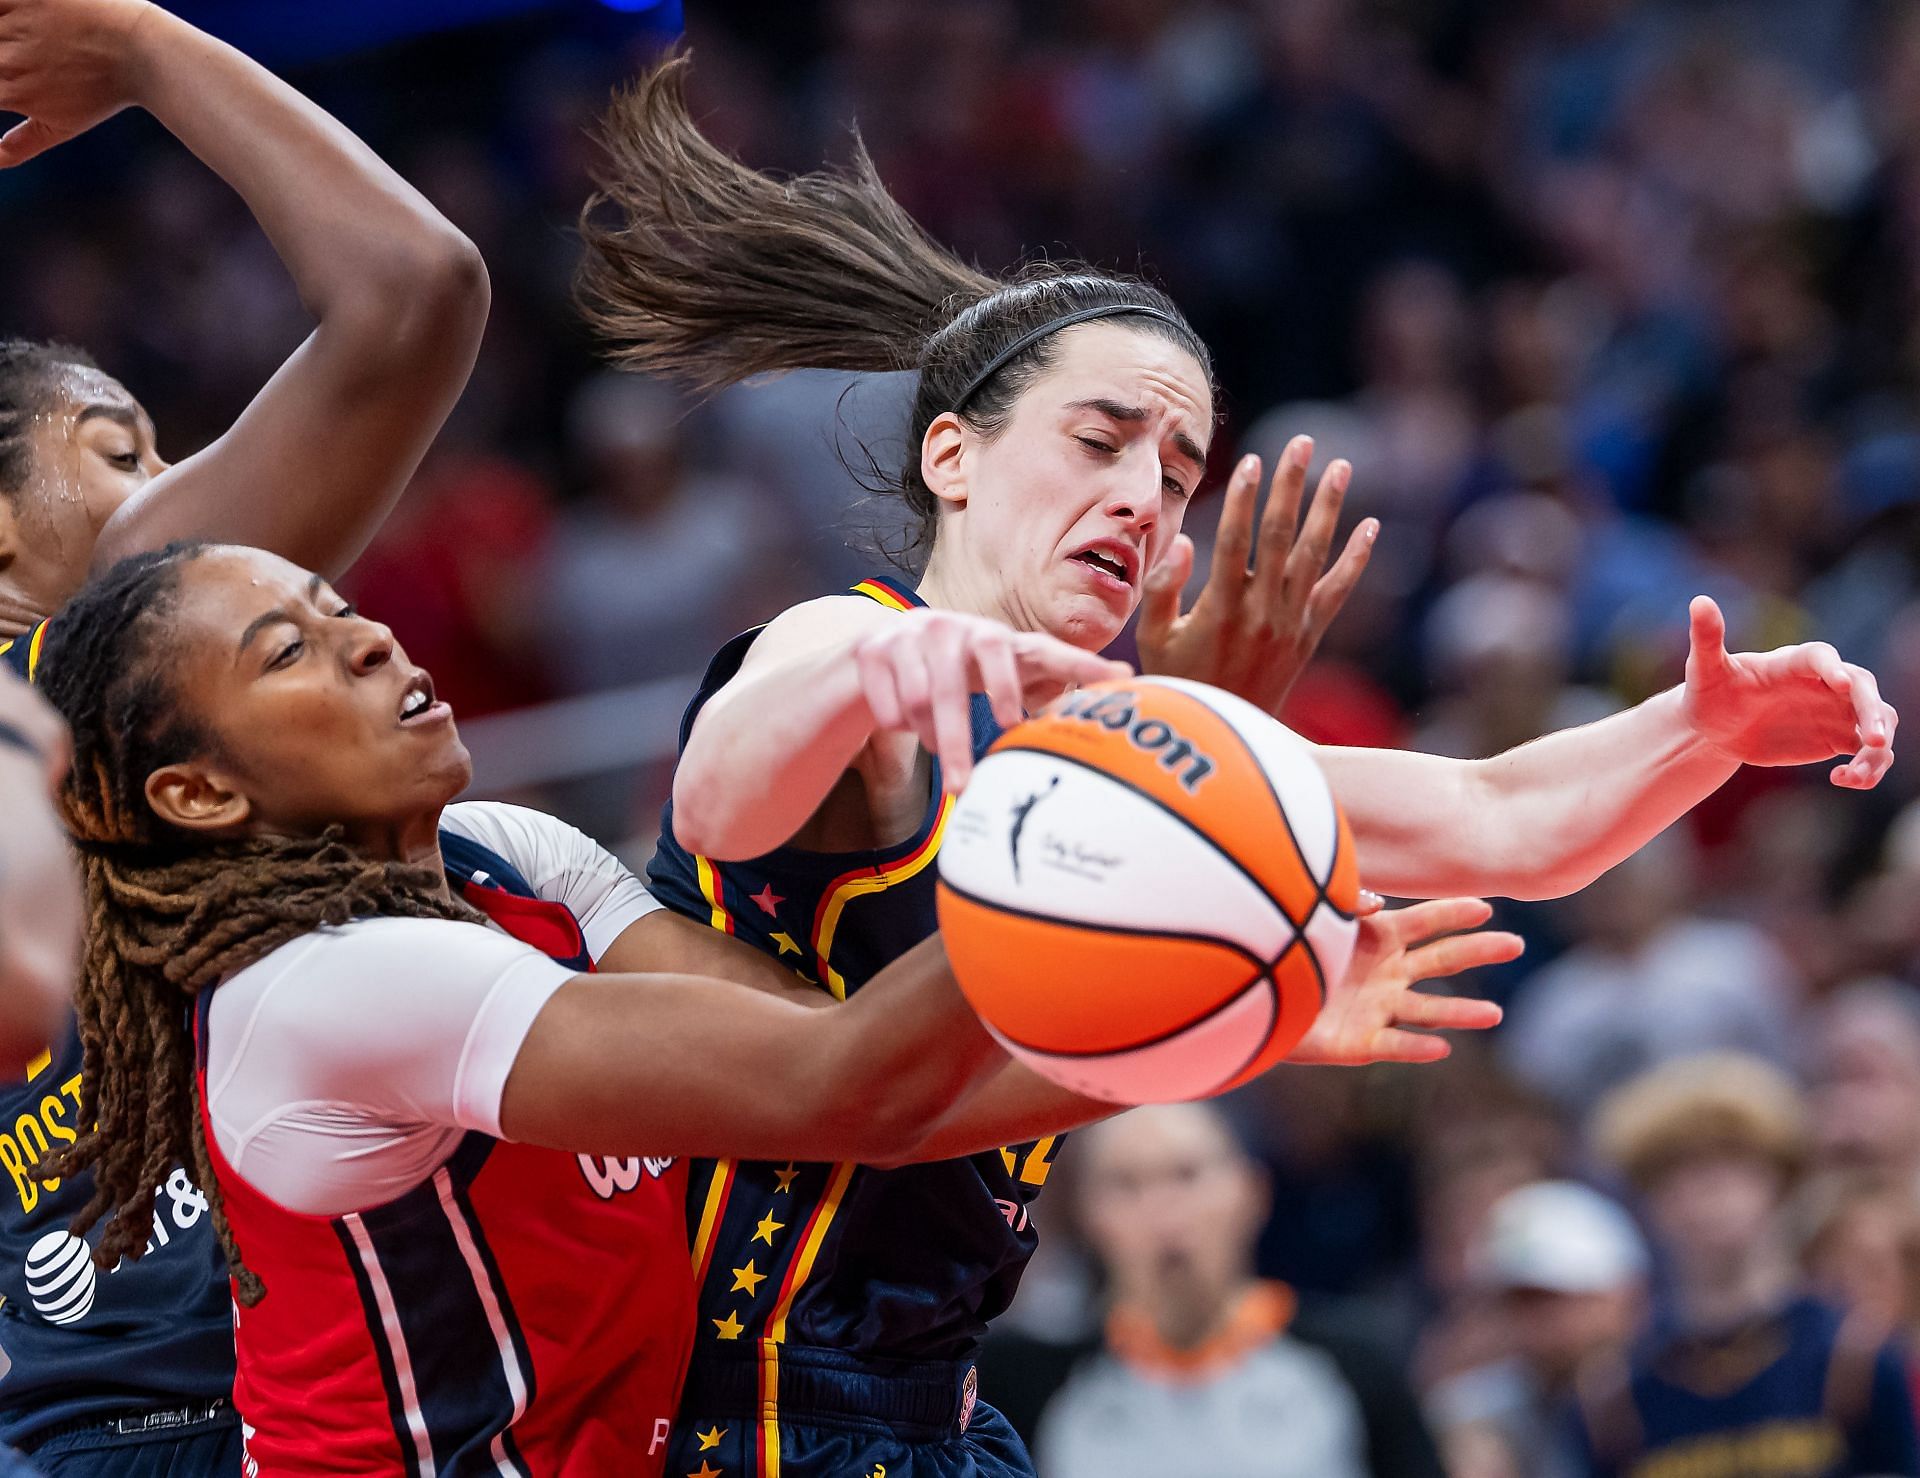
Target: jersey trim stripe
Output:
{"points": [[769, 1410], [496, 1321], [816, 1233], [712, 889], [861, 881], [34, 647], [718, 1189], [892, 599], [393, 1350]]}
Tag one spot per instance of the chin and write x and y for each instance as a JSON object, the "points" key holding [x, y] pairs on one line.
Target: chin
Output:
{"points": [[1087, 624]]}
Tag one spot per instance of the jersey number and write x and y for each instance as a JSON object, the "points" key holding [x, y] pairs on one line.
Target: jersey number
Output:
{"points": [[1038, 1164]]}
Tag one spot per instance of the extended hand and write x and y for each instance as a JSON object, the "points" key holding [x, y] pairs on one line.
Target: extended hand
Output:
{"points": [[1368, 1016], [1791, 706], [1256, 625], [67, 65]]}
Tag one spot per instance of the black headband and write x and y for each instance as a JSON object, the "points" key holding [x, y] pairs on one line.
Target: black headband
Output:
{"points": [[1053, 326]]}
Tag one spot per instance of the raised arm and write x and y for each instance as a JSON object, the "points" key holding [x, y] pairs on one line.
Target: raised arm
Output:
{"points": [[685, 1065], [1549, 817], [315, 463], [816, 688], [39, 894]]}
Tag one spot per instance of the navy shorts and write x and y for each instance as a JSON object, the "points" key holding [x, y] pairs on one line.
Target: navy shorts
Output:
{"points": [[841, 1418], [200, 1447]]}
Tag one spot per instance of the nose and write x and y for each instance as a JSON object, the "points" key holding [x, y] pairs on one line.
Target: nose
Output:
{"points": [[1137, 502], [369, 648]]}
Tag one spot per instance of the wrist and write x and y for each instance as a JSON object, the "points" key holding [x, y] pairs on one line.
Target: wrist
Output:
{"points": [[144, 32]]}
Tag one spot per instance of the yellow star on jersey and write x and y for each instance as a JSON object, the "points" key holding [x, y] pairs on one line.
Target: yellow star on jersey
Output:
{"points": [[768, 1226], [785, 1177], [706, 1471], [786, 943], [710, 1439], [746, 1280], [729, 1327]]}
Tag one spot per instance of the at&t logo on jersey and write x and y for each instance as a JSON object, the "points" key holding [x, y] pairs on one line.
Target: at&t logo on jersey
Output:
{"points": [[61, 1280], [609, 1177]]}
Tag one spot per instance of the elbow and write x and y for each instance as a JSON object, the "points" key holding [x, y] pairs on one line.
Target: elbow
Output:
{"points": [[430, 294], [891, 1134], [704, 822]]}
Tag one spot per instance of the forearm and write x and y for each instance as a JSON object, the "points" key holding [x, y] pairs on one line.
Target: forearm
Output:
{"points": [[766, 751], [39, 915], [1012, 1105], [1538, 821], [350, 230]]}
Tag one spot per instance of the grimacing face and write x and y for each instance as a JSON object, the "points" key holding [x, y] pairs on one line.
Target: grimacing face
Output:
{"points": [[318, 717], [1053, 522], [90, 450]]}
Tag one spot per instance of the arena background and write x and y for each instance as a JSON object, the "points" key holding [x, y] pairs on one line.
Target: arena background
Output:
{"points": [[1609, 303]]}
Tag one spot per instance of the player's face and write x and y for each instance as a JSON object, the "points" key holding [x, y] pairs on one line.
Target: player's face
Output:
{"points": [[90, 450], [1083, 490], [317, 716]]}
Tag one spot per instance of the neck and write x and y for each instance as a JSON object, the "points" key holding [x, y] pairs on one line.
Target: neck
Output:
{"points": [[950, 586], [415, 840], [1714, 1293], [1187, 1317]]}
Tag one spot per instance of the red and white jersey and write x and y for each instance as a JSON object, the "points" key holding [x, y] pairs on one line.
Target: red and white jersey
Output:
{"points": [[440, 1301]]}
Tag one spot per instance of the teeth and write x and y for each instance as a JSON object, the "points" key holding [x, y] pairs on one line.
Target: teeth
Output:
{"points": [[416, 701], [1106, 562]]}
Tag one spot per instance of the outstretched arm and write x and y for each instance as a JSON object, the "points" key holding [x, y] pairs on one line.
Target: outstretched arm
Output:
{"points": [[1549, 817], [400, 297], [39, 893]]}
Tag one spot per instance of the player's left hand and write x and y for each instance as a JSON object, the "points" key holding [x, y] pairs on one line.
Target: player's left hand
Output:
{"points": [[1261, 616], [1375, 1015], [67, 65], [1791, 706]]}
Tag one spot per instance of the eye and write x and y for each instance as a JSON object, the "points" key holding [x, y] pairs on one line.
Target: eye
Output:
{"points": [[346, 612], [1173, 487], [1094, 444], [287, 655], [125, 461]]}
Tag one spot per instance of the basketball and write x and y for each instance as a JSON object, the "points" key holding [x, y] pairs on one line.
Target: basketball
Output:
{"points": [[1145, 889]]}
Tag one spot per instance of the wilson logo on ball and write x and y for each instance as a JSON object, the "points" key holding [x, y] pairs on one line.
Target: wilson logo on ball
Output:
{"points": [[1118, 711]]}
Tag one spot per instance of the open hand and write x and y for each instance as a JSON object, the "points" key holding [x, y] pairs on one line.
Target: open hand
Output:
{"points": [[1261, 616], [67, 65], [1375, 1015], [1791, 706]]}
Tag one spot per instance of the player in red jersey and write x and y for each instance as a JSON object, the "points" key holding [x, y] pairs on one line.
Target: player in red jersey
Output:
{"points": [[441, 1157]]}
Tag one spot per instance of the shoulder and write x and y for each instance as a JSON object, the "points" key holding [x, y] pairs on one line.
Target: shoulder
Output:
{"points": [[818, 623], [520, 834]]}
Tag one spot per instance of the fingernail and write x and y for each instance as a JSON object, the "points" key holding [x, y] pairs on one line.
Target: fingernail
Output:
{"points": [[1372, 531], [1247, 464]]}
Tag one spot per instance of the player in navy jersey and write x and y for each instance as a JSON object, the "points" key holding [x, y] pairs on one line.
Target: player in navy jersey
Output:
{"points": [[39, 898], [1061, 423], [132, 1371], [443, 1163]]}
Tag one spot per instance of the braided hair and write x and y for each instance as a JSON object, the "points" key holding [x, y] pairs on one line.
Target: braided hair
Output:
{"points": [[29, 378], [704, 271], [170, 913]]}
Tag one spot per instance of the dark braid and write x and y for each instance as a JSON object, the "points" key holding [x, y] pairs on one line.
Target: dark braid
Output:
{"points": [[170, 914], [29, 377]]}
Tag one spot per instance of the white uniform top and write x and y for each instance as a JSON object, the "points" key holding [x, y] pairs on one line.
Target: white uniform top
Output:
{"points": [[345, 1067]]}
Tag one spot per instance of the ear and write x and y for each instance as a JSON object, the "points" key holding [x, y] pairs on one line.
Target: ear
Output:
{"points": [[943, 459], [196, 799]]}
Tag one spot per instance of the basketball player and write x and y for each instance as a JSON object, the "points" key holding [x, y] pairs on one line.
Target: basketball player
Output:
{"points": [[1061, 423], [133, 1375], [442, 1158], [39, 902]]}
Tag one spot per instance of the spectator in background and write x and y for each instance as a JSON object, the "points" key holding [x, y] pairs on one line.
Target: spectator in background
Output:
{"points": [[1205, 1368], [1567, 1271], [1744, 1374], [1865, 1084], [1860, 1249]]}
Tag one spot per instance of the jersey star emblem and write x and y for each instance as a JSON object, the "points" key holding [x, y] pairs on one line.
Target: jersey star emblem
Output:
{"points": [[710, 1439], [747, 1280], [786, 1178], [786, 943], [767, 899], [705, 1470], [729, 1327], [768, 1226]]}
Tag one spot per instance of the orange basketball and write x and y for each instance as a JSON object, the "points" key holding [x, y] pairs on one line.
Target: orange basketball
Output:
{"points": [[1145, 889]]}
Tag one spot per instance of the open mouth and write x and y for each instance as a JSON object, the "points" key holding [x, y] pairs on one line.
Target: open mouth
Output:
{"points": [[1114, 561], [418, 702]]}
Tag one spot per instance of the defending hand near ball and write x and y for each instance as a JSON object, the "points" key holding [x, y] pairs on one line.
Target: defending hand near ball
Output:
{"points": [[1259, 620], [1791, 706], [1376, 1015]]}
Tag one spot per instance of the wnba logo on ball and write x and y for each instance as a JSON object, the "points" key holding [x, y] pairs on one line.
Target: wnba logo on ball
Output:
{"points": [[60, 1278], [1116, 711]]}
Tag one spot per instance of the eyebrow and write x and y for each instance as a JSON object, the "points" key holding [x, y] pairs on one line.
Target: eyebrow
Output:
{"points": [[273, 617], [1113, 410], [124, 415]]}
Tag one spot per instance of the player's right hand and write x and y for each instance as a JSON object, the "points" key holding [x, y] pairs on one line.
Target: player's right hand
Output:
{"points": [[67, 65], [918, 673], [42, 733]]}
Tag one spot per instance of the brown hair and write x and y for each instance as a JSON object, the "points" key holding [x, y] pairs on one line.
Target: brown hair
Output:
{"points": [[29, 380], [704, 271], [170, 914]]}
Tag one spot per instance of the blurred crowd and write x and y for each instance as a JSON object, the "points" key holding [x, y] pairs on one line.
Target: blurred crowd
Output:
{"points": [[1610, 302]]}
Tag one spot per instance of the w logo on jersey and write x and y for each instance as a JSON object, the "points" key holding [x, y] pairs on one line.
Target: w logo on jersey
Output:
{"points": [[609, 1177]]}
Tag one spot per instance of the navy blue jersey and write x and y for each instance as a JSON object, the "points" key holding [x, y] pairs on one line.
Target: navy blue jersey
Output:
{"points": [[1799, 1394], [82, 1343], [895, 1264]]}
